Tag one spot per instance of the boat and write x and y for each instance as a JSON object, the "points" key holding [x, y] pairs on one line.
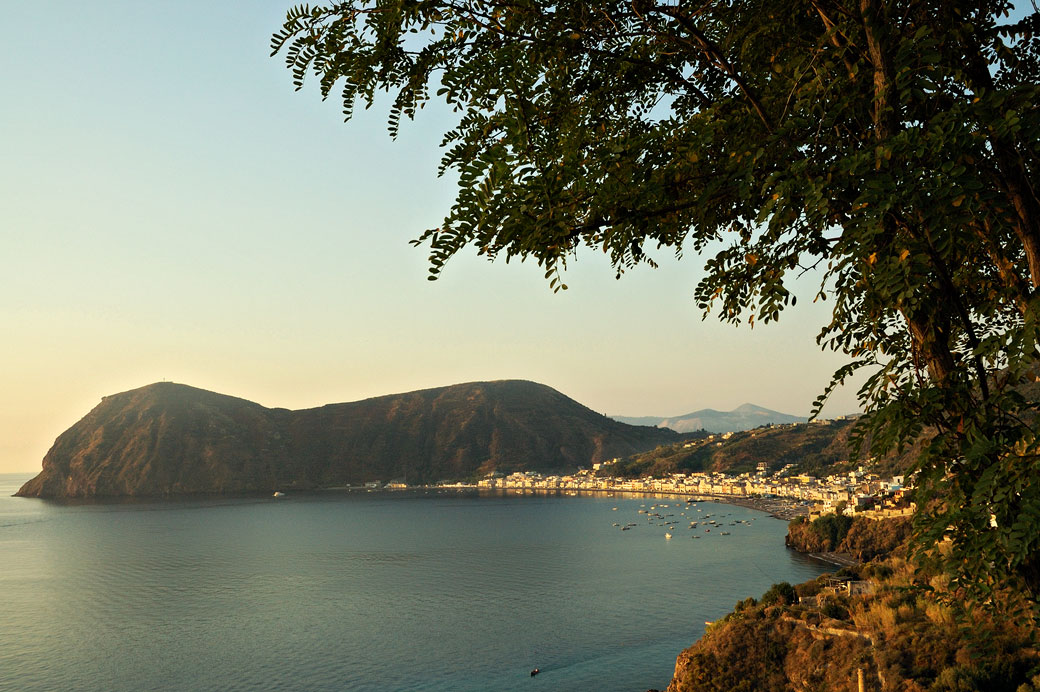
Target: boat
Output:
{"points": [[668, 535], [278, 493]]}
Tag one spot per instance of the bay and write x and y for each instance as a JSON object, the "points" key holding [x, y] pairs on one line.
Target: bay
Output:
{"points": [[370, 591]]}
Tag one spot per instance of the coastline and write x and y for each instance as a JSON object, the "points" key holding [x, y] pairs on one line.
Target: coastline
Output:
{"points": [[784, 509], [776, 507], [836, 559]]}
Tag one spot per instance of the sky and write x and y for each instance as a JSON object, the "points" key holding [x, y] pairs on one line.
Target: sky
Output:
{"points": [[171, 209]]}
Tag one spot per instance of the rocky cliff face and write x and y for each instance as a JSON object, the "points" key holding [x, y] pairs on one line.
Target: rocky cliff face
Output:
{"points": [[171, 439]]}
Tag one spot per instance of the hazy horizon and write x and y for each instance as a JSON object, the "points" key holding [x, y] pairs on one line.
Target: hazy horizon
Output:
{"points": [[174, 210]]}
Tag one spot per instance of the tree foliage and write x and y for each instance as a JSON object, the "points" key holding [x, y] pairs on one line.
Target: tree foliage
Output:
{"points": [[779, 594], [890, 146]]}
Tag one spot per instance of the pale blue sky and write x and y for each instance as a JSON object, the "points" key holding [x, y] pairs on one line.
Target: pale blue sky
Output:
{"points": [[171, 208]]}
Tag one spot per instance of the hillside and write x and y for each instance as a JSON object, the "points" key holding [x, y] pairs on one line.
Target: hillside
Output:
{"points": [[172, 439], [814, 448], [743, 417], [903, 629]]}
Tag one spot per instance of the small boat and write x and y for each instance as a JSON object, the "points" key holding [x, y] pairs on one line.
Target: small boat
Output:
{"points": [[278, 493], [668, 535], [725, 533], [535, 672]]}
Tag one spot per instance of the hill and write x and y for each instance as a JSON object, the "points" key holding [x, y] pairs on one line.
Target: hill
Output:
{"points": [[172, 439], [743, 417], [814, 448]]}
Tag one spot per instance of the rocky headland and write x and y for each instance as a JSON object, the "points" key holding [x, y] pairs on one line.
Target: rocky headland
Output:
{"points": [[169, 439]]}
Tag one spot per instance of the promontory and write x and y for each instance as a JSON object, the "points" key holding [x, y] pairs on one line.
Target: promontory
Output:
{"points": [[169, 439]]}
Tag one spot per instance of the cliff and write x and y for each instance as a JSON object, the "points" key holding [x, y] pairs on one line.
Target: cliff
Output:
{"points": [[171, 439], [903, 628]]}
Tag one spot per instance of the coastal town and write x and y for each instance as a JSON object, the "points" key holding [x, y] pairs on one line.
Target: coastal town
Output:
{"points": [[784, 490], [856, 493]]}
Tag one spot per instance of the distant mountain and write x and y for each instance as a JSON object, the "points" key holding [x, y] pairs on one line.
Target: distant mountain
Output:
{"points": [[172, 439], [743, 417]]}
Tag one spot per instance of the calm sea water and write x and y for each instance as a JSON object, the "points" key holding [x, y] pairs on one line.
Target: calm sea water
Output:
{"points": [[354, 591]]}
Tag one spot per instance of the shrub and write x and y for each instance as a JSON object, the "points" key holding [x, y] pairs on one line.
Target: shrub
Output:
{"points": [[835, 611]]}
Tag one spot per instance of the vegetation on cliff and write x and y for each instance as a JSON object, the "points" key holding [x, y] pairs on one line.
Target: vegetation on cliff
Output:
{"points": [[861, 538], [906, 630], [171, 439]]}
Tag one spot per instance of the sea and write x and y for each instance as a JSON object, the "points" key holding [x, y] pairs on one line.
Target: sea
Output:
{"points": [[412, 590]]}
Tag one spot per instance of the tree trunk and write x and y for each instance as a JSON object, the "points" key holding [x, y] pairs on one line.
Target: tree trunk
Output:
{"points": [[931, 341]]}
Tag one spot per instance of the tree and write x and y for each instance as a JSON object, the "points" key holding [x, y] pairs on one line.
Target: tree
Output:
{"points": [[888, 146], [779, 594]]}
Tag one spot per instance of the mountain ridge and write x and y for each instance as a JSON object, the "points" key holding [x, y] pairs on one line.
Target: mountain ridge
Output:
{"points": [[173, 439], [744, 417]]}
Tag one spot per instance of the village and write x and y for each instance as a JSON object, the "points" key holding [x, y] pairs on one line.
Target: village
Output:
{"points": [[856, 493]]}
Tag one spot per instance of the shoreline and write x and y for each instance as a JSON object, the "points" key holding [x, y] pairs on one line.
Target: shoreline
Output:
{"points": [[784, 509], [835, 559]]}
